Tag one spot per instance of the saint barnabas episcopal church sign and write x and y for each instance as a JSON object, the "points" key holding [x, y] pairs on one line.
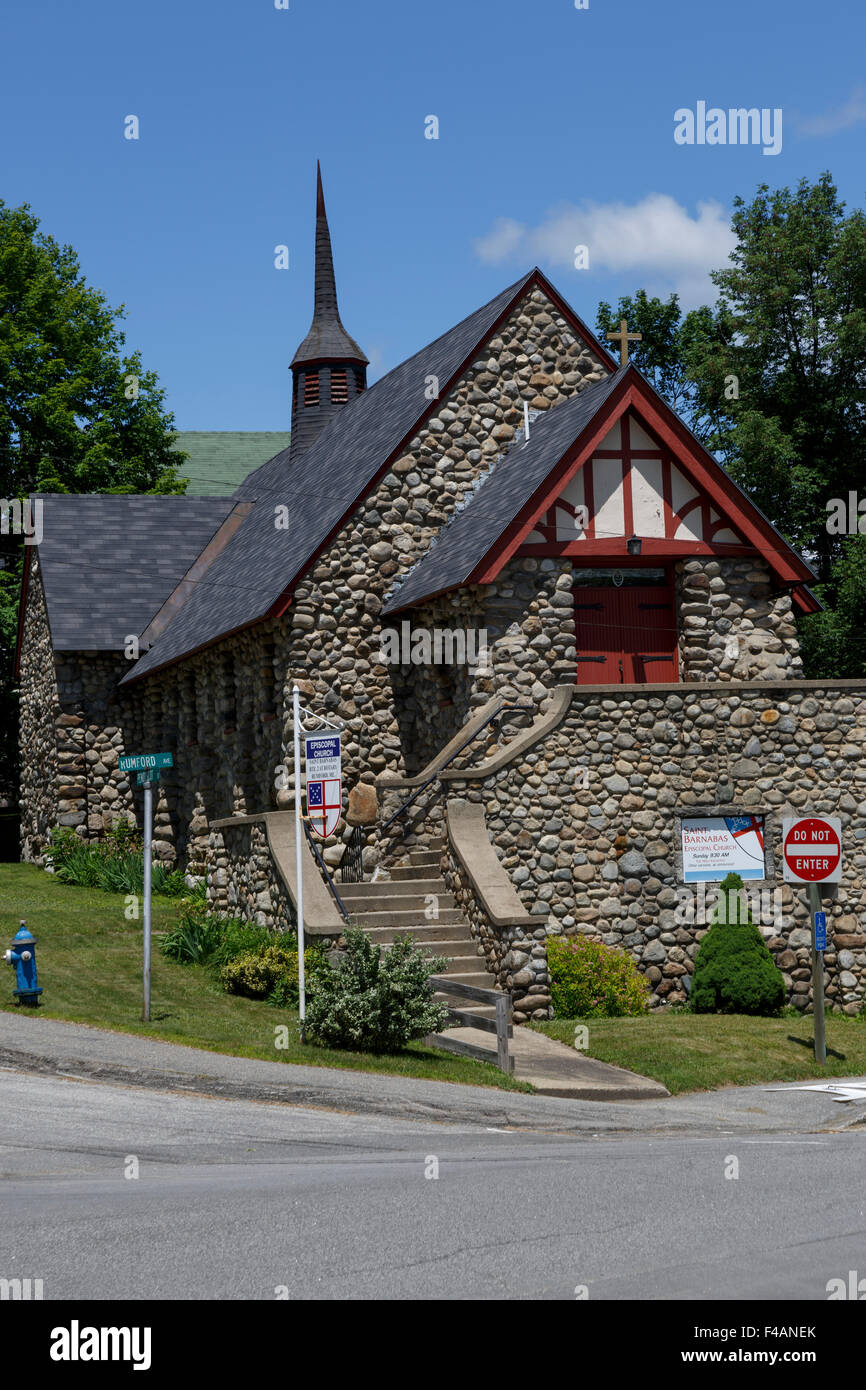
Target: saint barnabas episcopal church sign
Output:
{"points": [[324, 783], [715, 846]]}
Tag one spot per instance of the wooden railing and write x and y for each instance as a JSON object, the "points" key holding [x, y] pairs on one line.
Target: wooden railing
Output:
{"points": [[501, 1025]]}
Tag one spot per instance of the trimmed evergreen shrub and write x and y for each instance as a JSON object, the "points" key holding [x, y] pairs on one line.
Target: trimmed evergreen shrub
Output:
{"points": [[734, 971], [590, 980], [375, 1001]]}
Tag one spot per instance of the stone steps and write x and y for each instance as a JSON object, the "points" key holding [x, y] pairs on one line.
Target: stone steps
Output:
{"points": [[362, 904], [406, 873], [425, 933], [387, 888], [395, 907]]}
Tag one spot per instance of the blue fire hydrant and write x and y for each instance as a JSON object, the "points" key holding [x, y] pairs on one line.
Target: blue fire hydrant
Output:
{"points": [[23, 957]]}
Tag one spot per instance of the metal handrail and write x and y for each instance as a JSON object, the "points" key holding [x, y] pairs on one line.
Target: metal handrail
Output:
{"points": [[323, 866], [523, 709]]}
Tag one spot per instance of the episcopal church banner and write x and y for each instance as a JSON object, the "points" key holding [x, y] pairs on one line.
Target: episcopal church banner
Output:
{"points": [[715, 846]]}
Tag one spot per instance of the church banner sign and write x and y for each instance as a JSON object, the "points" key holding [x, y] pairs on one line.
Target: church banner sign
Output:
{"points": [[324, 783], [715, 846]]}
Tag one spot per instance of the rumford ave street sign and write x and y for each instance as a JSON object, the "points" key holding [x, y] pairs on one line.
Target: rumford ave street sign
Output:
{"points": [[144, 762], [812, 849]]}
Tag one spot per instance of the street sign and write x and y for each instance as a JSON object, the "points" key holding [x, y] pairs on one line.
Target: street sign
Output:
{"points": [[140, 762], [324, 783], [820, 931], [812, 849], [147, 765]]}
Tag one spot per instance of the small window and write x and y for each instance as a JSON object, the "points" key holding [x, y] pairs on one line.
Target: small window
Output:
{"points": [[311, 389], [339, 386], [359, 383]]}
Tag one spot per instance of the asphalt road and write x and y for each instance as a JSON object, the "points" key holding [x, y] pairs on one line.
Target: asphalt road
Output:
{"points": [[237, 1199]]}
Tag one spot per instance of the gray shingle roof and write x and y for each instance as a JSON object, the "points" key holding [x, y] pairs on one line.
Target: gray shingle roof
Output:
{"points": [[464, 542], [319, 489], [109, 563]]}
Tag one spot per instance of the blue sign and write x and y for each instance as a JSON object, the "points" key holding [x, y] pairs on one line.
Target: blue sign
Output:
{"points": [[820, 931]]}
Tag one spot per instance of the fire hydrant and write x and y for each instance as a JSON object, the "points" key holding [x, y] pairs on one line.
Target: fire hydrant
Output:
{"points": [[23, 957]]}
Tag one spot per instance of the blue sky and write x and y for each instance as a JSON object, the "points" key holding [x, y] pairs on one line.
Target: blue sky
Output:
{"points": [[556, 127]]}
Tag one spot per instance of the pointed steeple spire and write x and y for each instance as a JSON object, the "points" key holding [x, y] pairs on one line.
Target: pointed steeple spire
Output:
{"points": [[327, 338]]}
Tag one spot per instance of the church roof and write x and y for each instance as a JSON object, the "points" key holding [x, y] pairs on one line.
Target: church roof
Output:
{"points": [[502, 511], [109, 562], [250, 578], [327, 338], [503, 493]]}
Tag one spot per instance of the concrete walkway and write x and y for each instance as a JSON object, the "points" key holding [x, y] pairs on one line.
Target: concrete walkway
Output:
{"points": [[50, 1047], [556, 1070]]}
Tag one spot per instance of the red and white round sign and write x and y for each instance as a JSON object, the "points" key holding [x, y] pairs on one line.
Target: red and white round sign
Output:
{"points": [[812, 850]]}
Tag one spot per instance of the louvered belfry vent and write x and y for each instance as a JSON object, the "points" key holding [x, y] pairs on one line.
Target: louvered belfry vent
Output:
{"points": [[328, 359]]}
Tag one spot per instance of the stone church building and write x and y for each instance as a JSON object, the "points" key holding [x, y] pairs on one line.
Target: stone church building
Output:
{"points": [[624, 613]]}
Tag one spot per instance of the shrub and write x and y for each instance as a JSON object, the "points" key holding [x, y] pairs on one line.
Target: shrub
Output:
{"points": [[255, 973], [114, 864], [589, 980], [734, 971], [270, 974], [202, 939], [193, 941], [374, 1001]]}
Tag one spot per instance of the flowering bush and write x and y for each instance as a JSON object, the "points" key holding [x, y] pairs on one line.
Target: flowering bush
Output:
{"points": [[375, 1001], [270, 974], [589, 980]]}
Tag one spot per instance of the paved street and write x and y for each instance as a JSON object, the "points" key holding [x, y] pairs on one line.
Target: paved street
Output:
{"points": [[235, 1198]]}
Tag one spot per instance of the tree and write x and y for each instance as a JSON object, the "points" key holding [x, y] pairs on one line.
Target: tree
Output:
{"points": [[734, 971], [792, 306], [669, 343], [772, 378], [76, 414]]}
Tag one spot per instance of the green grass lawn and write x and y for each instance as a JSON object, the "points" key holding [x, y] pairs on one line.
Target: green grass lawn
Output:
{"points": [[89, 960], [701, 1052]]}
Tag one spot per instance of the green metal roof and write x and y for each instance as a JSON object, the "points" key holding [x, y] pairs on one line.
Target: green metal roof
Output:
{"points": [[220, 460]]}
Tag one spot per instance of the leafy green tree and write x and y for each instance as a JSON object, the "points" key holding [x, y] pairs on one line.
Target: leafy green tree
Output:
{"points": [[670, 341], [792, 310], [772, 379], [76, 413]]}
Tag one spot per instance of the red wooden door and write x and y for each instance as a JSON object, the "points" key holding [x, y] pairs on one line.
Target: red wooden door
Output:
{"points": [[598, 636], [649, 635], [625, 635]]}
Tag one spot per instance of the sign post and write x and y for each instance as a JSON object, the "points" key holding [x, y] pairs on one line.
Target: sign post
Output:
{"points": [[148, 766], [299, 862], [812, 854], [324, 798]]}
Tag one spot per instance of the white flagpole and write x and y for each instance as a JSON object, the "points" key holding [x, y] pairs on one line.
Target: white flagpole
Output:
{"points": [[299, 862]]}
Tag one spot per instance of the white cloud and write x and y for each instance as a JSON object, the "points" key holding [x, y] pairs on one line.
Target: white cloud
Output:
{"points": [[851, 113], [655, 241]]}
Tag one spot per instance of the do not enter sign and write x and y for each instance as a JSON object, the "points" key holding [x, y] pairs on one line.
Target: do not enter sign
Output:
{"points": [[812, 850]]}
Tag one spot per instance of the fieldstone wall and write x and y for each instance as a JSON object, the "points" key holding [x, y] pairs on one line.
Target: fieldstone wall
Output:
{"points": [[43, 776], [335, 616], [733, 626], [220, 713], [587, 821], [515, 956], [243, 880]]}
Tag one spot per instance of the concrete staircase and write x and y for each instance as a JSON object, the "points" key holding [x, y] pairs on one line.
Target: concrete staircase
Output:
{"points": [[390, 908]]}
